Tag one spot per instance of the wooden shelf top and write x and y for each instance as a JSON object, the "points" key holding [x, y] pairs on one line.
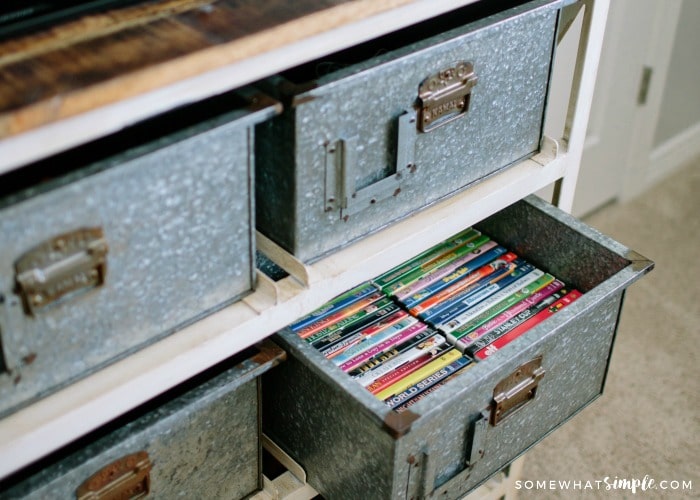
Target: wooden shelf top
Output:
{"points": [[92, 76]]}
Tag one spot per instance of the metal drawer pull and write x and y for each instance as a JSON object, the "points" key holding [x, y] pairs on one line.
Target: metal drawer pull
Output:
{"points": [[517, 389], [341, 169], [475, 450], [62, 265], [445, 96], [442, 98], [509, 395], [129, 477]]}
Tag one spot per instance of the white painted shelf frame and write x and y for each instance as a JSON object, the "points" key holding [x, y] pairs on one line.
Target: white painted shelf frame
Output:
{"points": [[64, 416]]}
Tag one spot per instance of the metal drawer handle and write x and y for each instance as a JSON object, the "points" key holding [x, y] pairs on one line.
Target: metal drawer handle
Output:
{"points": [[445, 96], [341, 167], [127, 477], [442, 98], [510, 395], [60, 266]]}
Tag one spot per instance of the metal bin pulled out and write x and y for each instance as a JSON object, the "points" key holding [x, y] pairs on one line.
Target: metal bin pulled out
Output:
{"points": [[353, 446]]}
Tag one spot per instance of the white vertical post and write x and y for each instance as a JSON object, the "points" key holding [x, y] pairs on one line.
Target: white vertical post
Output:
{"points": [[590, 44]]}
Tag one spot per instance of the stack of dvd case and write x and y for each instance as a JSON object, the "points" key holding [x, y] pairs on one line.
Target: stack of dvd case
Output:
{"points": [[480, 295], [393, 354], [410, 330]]}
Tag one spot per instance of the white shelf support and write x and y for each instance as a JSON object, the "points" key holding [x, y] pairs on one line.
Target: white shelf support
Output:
{"points": [[585, 71], [52, 422]]}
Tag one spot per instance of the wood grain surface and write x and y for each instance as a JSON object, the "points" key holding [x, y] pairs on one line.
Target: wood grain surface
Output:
{"points": [[103, 58]]}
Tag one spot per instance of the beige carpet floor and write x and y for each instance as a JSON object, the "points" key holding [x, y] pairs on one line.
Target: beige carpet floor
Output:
{"points": [[647, 423]]}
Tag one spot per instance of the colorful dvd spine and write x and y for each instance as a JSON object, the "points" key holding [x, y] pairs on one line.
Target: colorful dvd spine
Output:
{"points": [[443, 319], [436, 264], [510, 313], [346, 343], [437, 344], [502, 266], [334, 305], [418, 397], [463, 272], [511, 324], [389, 354], [496, 304], [428, 382], [405, 369], [334, 318], [415, 377], [386, 380], [369, 320], [394, 340], [348, 321], [535, 320], [475, 293], [432, 253], [442, 271], [371, 341]]}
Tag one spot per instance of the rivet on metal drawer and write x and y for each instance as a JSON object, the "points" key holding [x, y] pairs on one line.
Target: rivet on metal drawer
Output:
{"points": [[514, 391], [445, 96], [129, 477], [60, 266]]}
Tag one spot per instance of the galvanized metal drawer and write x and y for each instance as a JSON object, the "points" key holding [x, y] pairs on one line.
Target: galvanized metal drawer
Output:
{"points": [[200, 440], [113, 245], [352, 445], [396, 124]]}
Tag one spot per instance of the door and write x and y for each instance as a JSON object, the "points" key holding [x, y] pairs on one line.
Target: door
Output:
{"points": [[637, 48]]}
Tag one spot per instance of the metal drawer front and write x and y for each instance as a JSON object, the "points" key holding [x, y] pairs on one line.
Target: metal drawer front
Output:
{"points": [[372, 142], [119, 253], [450, 442], [198, 441]]}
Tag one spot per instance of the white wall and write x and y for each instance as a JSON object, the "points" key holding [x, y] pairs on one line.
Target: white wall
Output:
{"points": [[680, 109], [631, 145]]}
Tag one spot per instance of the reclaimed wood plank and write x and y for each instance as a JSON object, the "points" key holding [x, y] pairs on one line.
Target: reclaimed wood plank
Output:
{"points": [[103, 58]]}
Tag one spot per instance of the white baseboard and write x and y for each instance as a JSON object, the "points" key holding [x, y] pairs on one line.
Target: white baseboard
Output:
{"points": [[673, 153]]}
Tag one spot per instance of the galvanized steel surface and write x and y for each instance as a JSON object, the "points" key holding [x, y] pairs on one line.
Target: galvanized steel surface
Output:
{"points": [[204, 443], [430, 445], [177, 217], [361, 104]]}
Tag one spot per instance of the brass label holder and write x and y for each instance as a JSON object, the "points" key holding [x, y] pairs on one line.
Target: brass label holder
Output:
{"points": [[125, 478], [62, 265], [445, 96], [510, 395]]}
